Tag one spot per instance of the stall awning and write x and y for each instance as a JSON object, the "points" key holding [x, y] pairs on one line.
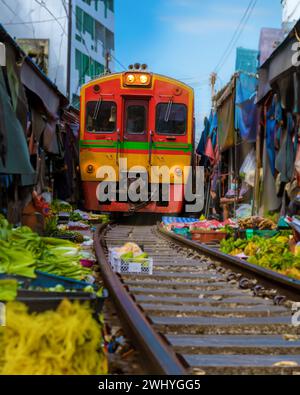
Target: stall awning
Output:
{"points": [[279, 64], [225, 105]]}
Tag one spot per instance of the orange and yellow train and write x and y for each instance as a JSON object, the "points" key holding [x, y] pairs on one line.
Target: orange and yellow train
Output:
{"points": [[143, 117]]}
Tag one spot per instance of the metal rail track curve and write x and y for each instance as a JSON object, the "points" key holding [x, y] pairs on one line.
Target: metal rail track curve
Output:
{"points": [[201, 312]]}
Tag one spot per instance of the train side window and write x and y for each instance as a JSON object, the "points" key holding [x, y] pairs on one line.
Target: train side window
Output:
{"points": [[136, 119], [171, 118], [101, 116]]}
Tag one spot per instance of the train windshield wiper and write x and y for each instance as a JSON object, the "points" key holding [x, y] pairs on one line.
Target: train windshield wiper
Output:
{"points": [[168, 110], [97, 109]]}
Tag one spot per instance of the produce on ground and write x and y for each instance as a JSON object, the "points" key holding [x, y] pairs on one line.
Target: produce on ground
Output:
{"points": [[273, 253], [61, 206], [68, 234], [131, 252], [23, 251], [67, 341], [128, 248], [51, 223], [256, 223], [75, 216], [8, 290]]}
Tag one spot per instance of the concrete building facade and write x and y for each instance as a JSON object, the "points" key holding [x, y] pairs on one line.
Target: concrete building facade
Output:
{"points": [[69, 39]]}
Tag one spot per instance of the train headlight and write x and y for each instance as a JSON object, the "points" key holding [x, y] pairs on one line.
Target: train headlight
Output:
{"points": [[90, 169], [130, 78], [178, 172], [144, 79], [134, 79]]}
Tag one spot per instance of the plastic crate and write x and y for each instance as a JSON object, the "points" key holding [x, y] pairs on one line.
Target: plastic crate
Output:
{"points": [[267, 234], [182, 232], [47, 280], [129, 266], [38, 301]]}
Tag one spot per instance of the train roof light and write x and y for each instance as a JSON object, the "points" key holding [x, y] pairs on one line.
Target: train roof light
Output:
{"points": [[137, 79]]}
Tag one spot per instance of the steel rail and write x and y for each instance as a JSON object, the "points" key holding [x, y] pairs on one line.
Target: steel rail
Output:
{"points": [[287, 285], [159, 356]]}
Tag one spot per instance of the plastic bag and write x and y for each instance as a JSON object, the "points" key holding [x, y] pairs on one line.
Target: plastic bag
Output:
{"points": [[248, 167], [244, 211]]}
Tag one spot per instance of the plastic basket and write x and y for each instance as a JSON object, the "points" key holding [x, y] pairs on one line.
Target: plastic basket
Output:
{"points": [[130, 266]]}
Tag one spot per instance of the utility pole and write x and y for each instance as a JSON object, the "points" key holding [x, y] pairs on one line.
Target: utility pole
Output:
{"points": [[69, 59], [107, 61], [213, 80]]}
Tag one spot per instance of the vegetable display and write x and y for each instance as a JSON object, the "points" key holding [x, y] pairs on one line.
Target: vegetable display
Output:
{"points": [[23, 251], [61, 206], [67, 341], [272, 253], [8, 290]]}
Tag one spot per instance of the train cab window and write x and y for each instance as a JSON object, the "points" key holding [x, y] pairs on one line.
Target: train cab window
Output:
{"points": [[136, 119], [101, 116], [171, 118]]}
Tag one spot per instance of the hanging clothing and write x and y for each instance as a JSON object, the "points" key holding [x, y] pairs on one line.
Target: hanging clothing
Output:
{"points": [[17, 157], [17, 91], [246, 110], [270, 135], [202, 143], [285, 160], [209, 150], [269, 199]]}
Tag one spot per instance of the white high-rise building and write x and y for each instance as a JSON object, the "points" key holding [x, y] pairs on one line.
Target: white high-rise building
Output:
{"points": [[69, 39], [290, 13]]}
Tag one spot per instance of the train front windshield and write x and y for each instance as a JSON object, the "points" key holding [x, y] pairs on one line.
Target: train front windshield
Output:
{"points": [[101, 116]]}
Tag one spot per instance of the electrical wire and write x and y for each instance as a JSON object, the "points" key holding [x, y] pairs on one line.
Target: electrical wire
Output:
{"points": [[119, 63], [43, 4], [10, 9], [30, 22], [236, 35]]}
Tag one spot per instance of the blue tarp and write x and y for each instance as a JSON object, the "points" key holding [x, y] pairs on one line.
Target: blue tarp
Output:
{"points": [[179, 220], [246, 110], [202, 143]]}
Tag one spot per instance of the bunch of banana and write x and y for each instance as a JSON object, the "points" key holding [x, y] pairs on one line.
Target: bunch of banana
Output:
{"points": [[256, 223], [67, 341], [251, 249], [267, 224]]}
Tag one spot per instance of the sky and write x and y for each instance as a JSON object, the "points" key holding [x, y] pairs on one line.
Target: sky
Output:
{"points": [[185, 39]]}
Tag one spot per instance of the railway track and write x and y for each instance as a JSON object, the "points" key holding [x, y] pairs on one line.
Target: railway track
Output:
{"points": [[199, 313]]}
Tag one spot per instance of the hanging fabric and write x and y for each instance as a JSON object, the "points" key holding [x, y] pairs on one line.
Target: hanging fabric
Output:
{"points": [[202, 143], [270, 136], [17, 157], [246, 110], [285, 160]]}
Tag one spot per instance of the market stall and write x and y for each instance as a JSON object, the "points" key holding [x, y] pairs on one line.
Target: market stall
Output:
{"points": [[53, 295]]}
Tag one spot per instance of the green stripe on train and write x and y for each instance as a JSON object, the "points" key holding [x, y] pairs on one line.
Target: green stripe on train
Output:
{"points": [[135, 145]]}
